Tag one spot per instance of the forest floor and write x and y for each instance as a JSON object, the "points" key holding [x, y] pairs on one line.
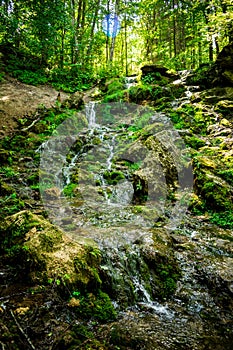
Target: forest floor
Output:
{"points": [[18, 100]]}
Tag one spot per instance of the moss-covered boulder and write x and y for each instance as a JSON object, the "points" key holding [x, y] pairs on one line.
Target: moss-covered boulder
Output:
{"points": [[75, 101], [45, 254]]}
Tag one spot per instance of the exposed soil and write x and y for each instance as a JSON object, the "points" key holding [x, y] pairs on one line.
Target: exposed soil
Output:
{"points": [[18, 100]]}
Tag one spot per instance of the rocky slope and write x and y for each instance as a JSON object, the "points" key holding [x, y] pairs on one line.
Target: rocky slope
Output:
{"points": [[122, 282]]}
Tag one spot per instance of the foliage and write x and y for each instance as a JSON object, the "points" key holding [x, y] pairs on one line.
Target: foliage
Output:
{"points": [[154, 78], [71, 78], [227, 175], [11, 243], [97, 306], [1, 76], [68, 190], [11, 204], [115, 97], [167, 279], [29, 77], [194, 141], [113, 177], [223, 219], [200, 75], [62, 35]]}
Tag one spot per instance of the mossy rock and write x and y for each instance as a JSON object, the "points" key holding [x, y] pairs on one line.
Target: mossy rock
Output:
{"points": [[113, 85], [93, 305], [113, 177], [6, 189], [216, 192], [4, 157], [75, 101], [163, 268], [46, 253], [194, 141]]}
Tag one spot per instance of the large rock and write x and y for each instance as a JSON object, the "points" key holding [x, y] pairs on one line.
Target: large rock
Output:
{"points": [[75, 101], [222, 71], [45, 253], [156, 70]]}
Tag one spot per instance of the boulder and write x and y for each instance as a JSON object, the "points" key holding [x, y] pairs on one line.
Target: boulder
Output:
{"points": [[221, 72], [45, 254], [156, 70], [75, 101]]}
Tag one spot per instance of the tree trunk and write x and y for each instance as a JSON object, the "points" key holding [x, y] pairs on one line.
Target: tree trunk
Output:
{"points": [[89, 49]]}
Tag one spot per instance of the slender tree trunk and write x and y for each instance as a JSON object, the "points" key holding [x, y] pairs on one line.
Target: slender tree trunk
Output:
{"points": [[211, 51], [126, 50], [113, 42], [89, 49], [62, 48], [199, 53], [107, 35], [74, 39], [174, 29]]}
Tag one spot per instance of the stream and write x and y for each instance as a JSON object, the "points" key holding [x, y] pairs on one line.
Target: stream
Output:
{"points": [[114, 189]]}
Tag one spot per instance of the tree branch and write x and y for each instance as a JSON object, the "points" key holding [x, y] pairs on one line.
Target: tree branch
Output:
{"points": [[22, 331]]}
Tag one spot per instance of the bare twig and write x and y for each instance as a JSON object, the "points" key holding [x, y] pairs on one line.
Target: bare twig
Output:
{"points": [[31, 125], [22, 331], [56, 343], [2, 345], [12, 295]]}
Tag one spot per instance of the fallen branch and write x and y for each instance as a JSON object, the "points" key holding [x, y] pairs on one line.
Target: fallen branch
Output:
{"points": [[2, 345], [31, 125], [12, 295], [21, 330]]}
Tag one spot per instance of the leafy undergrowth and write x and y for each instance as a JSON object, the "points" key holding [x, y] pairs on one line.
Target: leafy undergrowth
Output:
{"points": [[39, 317]]}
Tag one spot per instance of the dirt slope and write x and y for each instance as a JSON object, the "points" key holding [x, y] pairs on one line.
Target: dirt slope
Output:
{"points": [[18, 100]]}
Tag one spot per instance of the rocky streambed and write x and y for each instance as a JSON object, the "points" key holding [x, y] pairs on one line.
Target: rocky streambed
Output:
{"points": [[107, 242]]}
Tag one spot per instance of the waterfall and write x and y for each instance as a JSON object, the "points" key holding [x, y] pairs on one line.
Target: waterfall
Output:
{"points": [[130, 81], [90, 114], [108, 165]]}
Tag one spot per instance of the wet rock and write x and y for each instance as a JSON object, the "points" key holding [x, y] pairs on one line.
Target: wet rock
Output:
{"points": [[218, 274]]}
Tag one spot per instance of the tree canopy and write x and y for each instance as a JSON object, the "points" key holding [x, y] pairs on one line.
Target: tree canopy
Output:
{"points": [[92, 38]]}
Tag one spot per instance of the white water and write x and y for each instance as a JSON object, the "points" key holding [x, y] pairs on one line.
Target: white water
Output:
{"points": [[189, 92], [130, 81], [91, 115]]}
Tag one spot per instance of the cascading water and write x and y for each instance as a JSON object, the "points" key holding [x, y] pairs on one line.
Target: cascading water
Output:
{"points": [[130, 81], [135, 262]]}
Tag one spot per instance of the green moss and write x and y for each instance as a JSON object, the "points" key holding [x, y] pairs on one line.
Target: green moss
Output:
{"points": [[143, 92], [115, 85], [227, 175], [86, 266], [194, 142], [115, 97], [97, 306], [223, 219], [113, 177], [168, 278], [33, 179], [68, 190], [48, 243]]}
